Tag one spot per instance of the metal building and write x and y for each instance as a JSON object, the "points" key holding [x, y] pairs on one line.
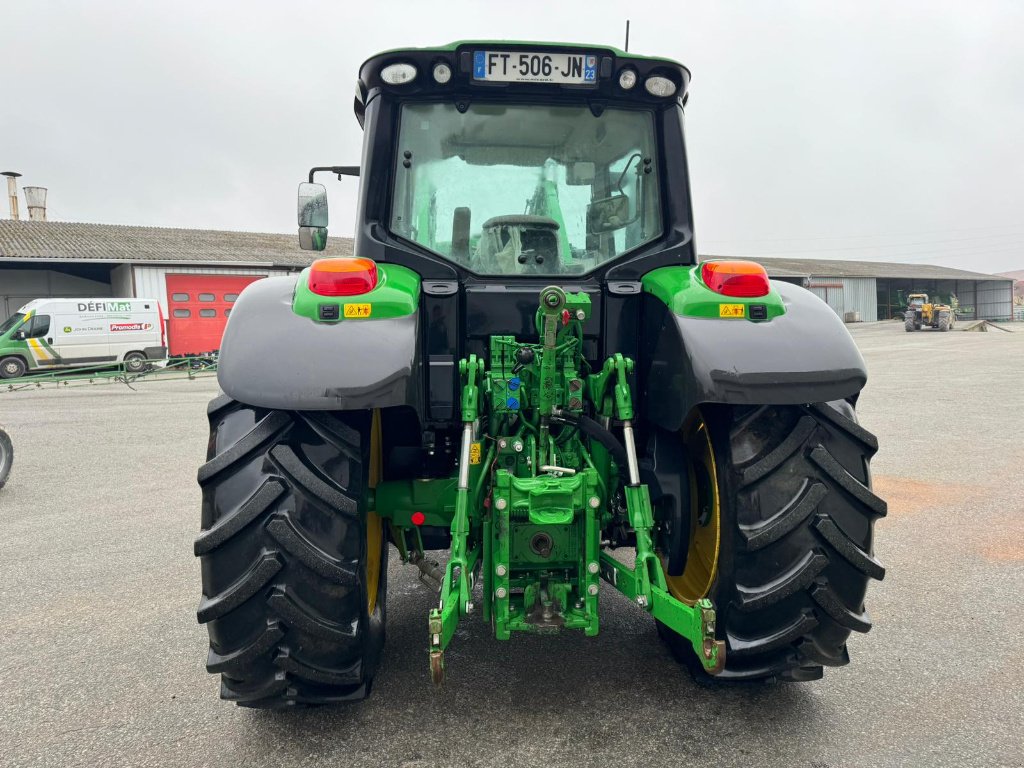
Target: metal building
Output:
{"points": [[878, 290]]}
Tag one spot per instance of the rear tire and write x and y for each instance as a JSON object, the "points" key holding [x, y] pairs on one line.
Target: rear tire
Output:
{"points": [[6, 457], [796, 553], [284, 552], [943, 322], [908, 321], [135, 362], [12, 368]]}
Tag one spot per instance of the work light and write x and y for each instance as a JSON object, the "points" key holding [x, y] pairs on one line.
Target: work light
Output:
{"points": [[442, 73], [398, 74], [659, 86]]}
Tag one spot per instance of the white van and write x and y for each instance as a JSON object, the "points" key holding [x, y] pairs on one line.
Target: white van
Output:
{"points": [[50, 334]]}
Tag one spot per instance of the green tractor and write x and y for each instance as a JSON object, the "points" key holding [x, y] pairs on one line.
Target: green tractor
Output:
{"points": [[525, 365]]}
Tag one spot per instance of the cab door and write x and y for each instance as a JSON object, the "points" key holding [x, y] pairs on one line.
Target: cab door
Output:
{"points": [[39, 338]]}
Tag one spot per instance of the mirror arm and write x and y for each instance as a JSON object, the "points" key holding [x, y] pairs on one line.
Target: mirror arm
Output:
{"points": [[622, 175], [340, 170]]}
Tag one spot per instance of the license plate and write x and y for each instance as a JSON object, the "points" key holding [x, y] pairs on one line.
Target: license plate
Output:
{"points": [[526, 67]]}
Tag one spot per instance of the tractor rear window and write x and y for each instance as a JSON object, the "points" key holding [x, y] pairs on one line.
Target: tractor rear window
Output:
{"points": [[526, 189]]}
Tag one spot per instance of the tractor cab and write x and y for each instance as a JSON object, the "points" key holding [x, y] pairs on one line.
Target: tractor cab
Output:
{"points": [[493, 168], [917, 300], [553, 156]]}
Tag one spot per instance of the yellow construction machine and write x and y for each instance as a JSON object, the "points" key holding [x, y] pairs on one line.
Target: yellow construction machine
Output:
{"points": [[921, 312]]}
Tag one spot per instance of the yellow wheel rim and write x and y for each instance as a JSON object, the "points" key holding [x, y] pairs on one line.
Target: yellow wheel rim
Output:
{"points": [[705, 521], [374, 528]]}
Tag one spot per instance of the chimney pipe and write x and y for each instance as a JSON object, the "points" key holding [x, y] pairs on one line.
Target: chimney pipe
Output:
{"points": [[35, 199], [12, 192]]}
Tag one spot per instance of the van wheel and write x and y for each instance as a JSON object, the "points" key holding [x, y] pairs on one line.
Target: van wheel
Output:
{"points": [[135, 362], [12, 368]]}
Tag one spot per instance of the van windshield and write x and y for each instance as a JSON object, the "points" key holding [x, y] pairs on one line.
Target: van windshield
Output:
{"points": [[11, 322], [526, 189]]}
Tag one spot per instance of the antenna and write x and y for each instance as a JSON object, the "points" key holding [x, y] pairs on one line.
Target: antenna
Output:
{"points": [[627, 36]]}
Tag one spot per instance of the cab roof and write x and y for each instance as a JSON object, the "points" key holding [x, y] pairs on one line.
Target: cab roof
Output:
{"points": [[459, 56]]}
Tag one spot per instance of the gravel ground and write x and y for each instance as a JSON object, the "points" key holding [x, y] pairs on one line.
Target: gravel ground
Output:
{"points": [[102, 659]]}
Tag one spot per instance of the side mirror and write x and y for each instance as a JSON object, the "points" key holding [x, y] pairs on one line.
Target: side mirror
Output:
{"points": [[312, 212], [312, 238], [19, 335], [608, 214]]}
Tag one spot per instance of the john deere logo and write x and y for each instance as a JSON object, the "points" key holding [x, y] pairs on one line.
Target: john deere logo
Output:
{"points": [[67, 329]]}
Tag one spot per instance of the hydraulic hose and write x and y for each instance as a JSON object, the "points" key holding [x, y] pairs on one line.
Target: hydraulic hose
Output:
{"points": [[593, 429]]}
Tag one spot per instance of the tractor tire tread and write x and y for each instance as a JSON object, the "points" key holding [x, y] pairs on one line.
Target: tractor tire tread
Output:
{"points": [[220, 404], [299, 615], [249, 693], [804, 623], [842, 544], [336, 432], [832, 605], [828, 463], [796, 579], [244, 656], [796, 553], [809, 651], [281, 548], [291, 539], [849, 426], [305, 480], [228, 526], [254, 579], [786, 520], [766, 464], [265, 431], [350, 675]]}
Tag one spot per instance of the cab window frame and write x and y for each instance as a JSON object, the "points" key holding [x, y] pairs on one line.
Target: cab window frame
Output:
{"points": [[654, 242]]}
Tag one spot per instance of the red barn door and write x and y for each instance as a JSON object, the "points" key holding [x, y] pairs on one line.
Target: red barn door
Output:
{"points": [[198, 309]]}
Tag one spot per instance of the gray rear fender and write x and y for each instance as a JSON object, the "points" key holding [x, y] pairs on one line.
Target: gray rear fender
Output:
{"points": [[272, 358], [803, 356]]}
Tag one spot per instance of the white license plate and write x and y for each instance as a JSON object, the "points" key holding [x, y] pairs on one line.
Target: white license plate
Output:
{"points": [[527, 67]]}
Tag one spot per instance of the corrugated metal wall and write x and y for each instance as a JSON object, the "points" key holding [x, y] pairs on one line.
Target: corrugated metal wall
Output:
{"points": [[848, 294], [995, 300], [151, 282]]}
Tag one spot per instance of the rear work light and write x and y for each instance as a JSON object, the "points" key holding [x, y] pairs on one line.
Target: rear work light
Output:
{"points": [[659, 86], [398, 74], [735, 278], [342, 277]]}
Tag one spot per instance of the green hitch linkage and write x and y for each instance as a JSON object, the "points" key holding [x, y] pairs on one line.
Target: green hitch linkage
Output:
{"points": [[645, 584], [457, 588]]}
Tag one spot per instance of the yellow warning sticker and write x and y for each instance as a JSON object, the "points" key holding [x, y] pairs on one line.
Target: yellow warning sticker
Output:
{"points": [[474, 453], [357, 310], [731, 310]]}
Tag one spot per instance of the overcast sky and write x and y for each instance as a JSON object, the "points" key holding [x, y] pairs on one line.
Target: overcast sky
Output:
{"points": [[856, 130]]}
